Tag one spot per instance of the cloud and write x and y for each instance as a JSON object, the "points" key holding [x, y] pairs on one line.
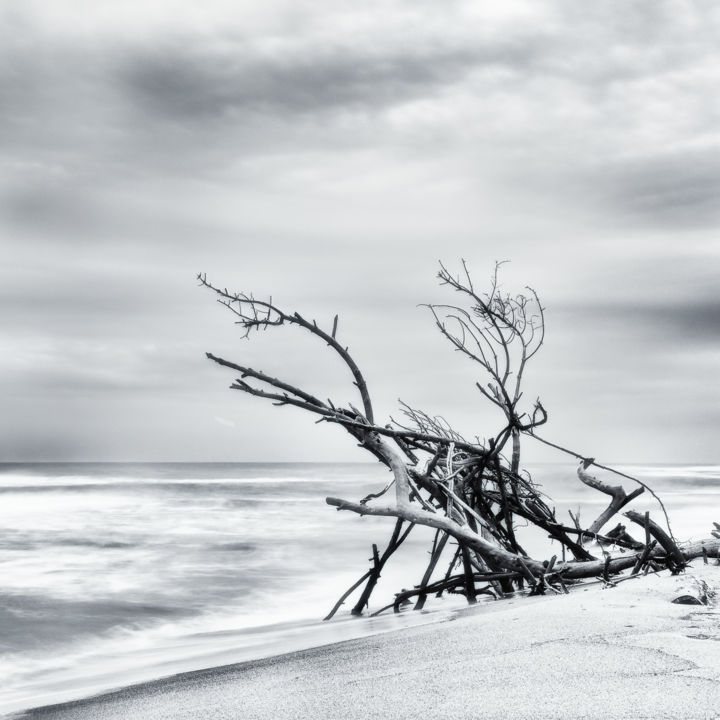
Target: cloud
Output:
{"points": [[678, 189], [183, 83], [694, 322], [328, 154]]}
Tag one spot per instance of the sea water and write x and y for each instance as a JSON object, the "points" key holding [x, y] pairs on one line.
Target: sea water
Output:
{"points": [[114, 573]]}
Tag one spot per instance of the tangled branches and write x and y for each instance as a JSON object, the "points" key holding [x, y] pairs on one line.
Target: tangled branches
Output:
{"points": [[467, 491]]}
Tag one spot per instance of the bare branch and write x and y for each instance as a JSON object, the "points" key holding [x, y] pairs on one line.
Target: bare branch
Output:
{"points": [[249, 372], [257, 314], [619, 497]]}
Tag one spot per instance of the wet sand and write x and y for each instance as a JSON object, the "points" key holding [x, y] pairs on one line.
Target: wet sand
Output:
{"points": [[621, 652]]}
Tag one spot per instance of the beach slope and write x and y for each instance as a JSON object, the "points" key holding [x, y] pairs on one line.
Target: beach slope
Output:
{"points": [[619, 652]]}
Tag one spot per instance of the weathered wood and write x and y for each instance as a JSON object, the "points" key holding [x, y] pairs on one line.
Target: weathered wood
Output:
{"points": [[501, 485], [438, 548], [493, 553], [619, 536], [507, 560], [643, 557], [606, 569], [673, 551], [470, 593], [347, 594], [396, 540], [557, 532], [619, 497], [451, 567], [453, 584]]}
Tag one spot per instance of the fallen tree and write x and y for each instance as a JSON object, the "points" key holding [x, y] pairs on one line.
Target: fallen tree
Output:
{"points": [[467, 490]]}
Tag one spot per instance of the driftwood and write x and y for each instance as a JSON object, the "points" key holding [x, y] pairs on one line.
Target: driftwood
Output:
{"points": [[468, 491], [619, 497], [675, 558], [439, 543], [373, 575]]}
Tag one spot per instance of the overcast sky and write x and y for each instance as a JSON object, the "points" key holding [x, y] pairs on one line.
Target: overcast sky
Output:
{"points": [[329, 154]]}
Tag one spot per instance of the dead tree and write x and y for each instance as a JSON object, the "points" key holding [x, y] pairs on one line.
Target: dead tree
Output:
{"points": [[466, 490], [501, 333]]}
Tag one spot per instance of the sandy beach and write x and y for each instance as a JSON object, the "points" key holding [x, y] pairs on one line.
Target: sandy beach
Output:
{"points": [[618, 652]]}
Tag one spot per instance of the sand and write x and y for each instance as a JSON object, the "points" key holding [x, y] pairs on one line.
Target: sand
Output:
{"points": [[620, 652]]}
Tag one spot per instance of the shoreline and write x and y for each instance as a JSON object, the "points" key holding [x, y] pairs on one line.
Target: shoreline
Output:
{"points": [[98, 674], [624, 651]]}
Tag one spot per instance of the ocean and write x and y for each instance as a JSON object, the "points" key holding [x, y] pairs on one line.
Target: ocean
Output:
{"points": [[115, 573]]}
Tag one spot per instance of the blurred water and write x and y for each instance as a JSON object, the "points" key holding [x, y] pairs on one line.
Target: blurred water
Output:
{"points": [[114, 573]]}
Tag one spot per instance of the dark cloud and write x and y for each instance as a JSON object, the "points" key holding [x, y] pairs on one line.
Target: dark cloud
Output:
{"points": [[695, 322], [186, 103], [181, 82], [680, 189], [684, 322]]}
